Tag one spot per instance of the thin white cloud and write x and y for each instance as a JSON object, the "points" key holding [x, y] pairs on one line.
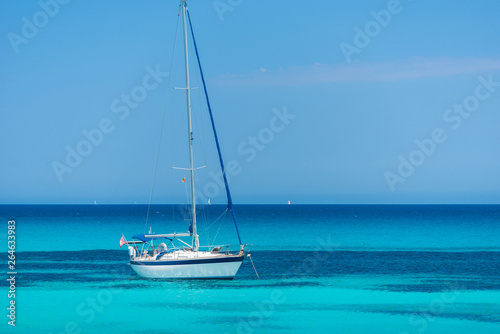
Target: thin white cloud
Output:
{"points": [[413, 68]]}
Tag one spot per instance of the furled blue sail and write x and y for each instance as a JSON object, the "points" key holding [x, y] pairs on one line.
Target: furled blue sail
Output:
{"points": [[228, 193]]}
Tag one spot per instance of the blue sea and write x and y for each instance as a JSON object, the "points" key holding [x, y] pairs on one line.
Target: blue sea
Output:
{"points": [[399, 269]]}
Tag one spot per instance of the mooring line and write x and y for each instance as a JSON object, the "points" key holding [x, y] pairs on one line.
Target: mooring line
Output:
{"points": [[250, 257]]}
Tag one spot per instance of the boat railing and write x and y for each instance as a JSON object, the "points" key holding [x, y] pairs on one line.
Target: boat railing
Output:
{"points": [[156, 252]]}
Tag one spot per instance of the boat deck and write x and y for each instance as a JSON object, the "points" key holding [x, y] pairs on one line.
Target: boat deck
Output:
{"points": [[182, 255]]}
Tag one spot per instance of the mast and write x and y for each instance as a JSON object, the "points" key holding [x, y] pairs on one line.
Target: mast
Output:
{"points": [[190, 131]]}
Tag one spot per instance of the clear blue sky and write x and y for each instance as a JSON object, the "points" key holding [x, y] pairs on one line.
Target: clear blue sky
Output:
{"points": [[378, 101]]}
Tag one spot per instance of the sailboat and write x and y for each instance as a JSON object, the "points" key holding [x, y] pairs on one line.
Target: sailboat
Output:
{"points": [[179, 255]]}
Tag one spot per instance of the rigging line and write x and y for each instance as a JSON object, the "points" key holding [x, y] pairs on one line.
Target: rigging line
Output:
{"points": [[228, 193], [173, 120], [206, 219], [173, 114], [161, 132], [198, 116], [185, 187], [202, 132], [220, 225], [215, 221]]}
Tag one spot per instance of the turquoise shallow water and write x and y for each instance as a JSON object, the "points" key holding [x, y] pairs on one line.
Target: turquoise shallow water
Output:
{"points": [[333, 269]]}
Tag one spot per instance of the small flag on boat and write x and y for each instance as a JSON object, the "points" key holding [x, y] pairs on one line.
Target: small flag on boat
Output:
{"points": [[122, 241], [184, 180]]}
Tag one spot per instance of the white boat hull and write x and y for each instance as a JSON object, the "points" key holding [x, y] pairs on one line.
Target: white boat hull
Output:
{"points": [[217, 268]]}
